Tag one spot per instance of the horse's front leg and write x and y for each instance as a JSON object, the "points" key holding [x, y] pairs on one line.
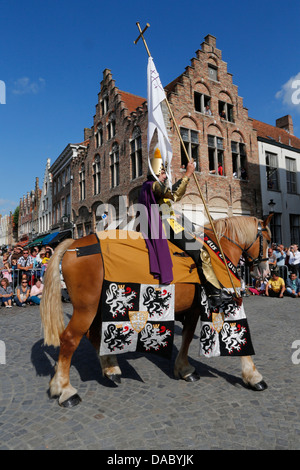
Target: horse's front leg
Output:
{"points": [[110, 368], [251, 376], [182, 368]]}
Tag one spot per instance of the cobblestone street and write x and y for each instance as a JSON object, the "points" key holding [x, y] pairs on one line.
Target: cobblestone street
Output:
{"points": [[150, 410]]}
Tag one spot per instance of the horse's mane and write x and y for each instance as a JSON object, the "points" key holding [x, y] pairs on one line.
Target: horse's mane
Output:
{"points": [[242, 228]]}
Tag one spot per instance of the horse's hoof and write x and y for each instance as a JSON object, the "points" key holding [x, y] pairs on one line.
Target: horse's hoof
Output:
{"points": [[259, 387], [193, 377], [115, 378], [72, 401]]}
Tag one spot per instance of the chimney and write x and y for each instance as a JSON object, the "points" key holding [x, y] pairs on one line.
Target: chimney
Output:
{"points": [[286, 123], [87, 133], [211, 40]]}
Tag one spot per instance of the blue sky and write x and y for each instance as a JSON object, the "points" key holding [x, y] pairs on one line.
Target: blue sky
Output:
{"points": [[53, 55]]}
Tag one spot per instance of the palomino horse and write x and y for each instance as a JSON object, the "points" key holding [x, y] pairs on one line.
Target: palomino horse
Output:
{"points": [[84, 277]]}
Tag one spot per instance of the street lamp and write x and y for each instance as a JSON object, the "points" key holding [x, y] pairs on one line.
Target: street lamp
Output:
{"points": [[271, 205]]}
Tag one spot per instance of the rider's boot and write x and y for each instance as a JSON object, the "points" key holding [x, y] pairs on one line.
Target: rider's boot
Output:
{"points": [[216, 295]]}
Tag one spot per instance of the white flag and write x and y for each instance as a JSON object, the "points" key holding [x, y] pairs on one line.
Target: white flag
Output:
{"points": [[156, 95]]}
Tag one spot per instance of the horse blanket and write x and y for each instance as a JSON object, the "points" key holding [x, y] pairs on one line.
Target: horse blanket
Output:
{"points": [[137, 317], [138, 312]]}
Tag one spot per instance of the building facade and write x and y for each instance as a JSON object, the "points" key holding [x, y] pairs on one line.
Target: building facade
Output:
{"points": [[114, 164], [61, 187], [215, 129], [28, 226], [45, 207], [279, 158]]}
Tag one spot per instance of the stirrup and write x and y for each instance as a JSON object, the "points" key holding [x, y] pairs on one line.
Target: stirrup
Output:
{"points": [[217, 297]]}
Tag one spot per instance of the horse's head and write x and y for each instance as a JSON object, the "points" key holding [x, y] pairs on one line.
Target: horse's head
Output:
{"points": [[257, 253]]}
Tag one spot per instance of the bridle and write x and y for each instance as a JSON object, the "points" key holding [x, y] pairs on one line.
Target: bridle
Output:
{"points": [[259, 236]]}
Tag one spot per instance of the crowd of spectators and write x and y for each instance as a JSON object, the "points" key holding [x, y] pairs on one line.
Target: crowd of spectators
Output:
{"points": [[284, 279], [21, 275]]}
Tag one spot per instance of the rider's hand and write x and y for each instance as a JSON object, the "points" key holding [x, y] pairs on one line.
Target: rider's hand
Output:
{"points": [[190, 168]]}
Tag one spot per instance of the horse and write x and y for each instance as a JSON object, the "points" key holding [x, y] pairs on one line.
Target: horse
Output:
{"points": [[238, 235]]}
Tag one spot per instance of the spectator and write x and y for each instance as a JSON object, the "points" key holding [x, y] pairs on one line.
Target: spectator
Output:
{"points": [[14, 271], [280, 255], [16, 253], [6, 293], [272, 258], [6, 271], [36, 292], [207, 110], [276, 286], [259, 288], [34, 253], [244, 174], [25, 263], [293, 285], [22, 293], [45, 261], [40, 256], [223, 115], [294, 258]]}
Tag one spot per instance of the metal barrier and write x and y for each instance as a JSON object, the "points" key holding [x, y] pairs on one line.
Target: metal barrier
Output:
{"points": [[16, 275], [244, 273]]}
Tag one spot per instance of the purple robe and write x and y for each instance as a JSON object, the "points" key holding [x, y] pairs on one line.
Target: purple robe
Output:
{"points": [[155, 238]]}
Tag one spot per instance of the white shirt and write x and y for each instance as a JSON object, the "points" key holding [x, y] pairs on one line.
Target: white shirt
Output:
{"points": [[294, 257]]}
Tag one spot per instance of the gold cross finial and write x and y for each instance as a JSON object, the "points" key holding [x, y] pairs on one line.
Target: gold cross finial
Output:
{"points": [[142, 36]]}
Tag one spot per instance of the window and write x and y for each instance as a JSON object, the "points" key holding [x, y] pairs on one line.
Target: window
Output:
{"points": [[63, 207], [80, 231], [68, 173], [82, 183], [295, 228], [191, 143], [104, 104], [202, 103], [213, 72], [291, 175], [275, 227], [57, 215], [216, 155], [68, 204], [114, 166], [272, 171], [87, 228], [238, 151], [226, 111], [99, 136], [111, 126], [136, 154], [97, 175]]}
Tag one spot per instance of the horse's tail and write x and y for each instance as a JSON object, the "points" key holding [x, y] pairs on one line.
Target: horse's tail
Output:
{"points": [[51, 305]]}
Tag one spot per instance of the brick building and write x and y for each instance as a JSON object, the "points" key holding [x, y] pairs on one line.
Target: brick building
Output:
{"points": [[214, 126], [60, 174], [28, 215]]}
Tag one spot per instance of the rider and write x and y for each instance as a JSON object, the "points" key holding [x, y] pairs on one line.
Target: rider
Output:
{"points": [[156, 192]]}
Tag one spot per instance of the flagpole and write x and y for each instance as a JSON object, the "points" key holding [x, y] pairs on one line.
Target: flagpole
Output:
{"points": [[188, 159]]}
